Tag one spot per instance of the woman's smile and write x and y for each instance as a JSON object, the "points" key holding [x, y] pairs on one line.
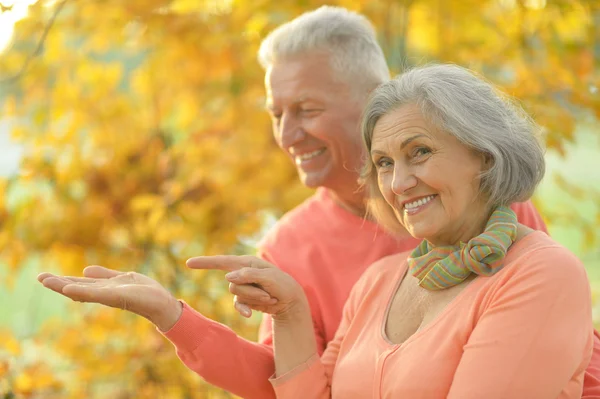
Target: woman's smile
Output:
{"points": [[418, 205]]}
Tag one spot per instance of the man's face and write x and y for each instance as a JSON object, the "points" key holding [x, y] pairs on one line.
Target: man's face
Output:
{"points": [[316, 120]]}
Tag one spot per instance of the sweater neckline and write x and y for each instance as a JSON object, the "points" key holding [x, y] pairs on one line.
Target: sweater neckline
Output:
{"points": [[476, 282]]}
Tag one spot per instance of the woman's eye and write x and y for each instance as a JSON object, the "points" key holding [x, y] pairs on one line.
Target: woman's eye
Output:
{"points": [[421, 151]]}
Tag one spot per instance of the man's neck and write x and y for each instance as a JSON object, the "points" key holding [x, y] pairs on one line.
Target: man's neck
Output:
{"points": [[352, 201]]}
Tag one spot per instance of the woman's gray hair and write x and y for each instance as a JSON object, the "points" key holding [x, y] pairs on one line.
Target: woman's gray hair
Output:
{"points": [[469, 108], [348, 38]]}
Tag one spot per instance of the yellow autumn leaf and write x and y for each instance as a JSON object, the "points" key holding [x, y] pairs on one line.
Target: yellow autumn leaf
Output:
{"points": [[24, 384], [9, 343], [4, 368], [145, 202], [185, 6]]}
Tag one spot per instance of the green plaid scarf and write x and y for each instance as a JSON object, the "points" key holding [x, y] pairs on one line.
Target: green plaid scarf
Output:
{"points": [[442, 267]]}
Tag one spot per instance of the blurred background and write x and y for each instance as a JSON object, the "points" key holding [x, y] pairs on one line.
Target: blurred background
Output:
{"points": [[133, 135]]}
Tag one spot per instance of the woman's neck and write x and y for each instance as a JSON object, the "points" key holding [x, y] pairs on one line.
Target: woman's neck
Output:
{"points": [[470, 227]]}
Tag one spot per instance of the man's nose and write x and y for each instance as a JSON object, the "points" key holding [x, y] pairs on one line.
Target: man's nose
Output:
{"points": [[291, 131]]}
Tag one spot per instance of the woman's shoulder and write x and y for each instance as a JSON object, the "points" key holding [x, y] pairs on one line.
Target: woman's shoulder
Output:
{"points": [[539, 274], [537, 257]]}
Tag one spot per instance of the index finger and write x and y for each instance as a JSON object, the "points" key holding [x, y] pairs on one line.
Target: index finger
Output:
{"points": [[228, 263], [69, 279]]}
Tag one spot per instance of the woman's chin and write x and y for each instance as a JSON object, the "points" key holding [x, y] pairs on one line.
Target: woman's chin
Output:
{"points": [[420, 233]]}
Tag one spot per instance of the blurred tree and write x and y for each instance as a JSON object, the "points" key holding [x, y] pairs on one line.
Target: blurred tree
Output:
{"points": [[146, 143]]}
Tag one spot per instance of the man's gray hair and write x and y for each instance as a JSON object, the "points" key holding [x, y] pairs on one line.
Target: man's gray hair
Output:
{"points": [[348, 38], [466, 106]]}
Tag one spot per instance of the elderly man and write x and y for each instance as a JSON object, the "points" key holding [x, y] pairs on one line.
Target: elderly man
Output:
{"points": [[320, 69]]}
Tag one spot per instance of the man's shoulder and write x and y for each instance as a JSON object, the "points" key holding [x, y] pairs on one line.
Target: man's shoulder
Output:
{"points": [[299, 222], [307, 210], [528, 215]]}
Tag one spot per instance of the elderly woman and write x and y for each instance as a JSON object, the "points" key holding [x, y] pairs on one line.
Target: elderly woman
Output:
{"points": [[484, 307]]}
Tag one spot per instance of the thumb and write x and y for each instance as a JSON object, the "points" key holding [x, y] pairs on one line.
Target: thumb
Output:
{"points": [[272, 281]]}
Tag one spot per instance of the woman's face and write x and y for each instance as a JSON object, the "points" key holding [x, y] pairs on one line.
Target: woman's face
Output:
{"points": [[428, 177]]}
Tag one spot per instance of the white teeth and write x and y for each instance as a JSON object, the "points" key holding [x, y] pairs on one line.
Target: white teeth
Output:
{"points": [[419, 202], [310, 155]]}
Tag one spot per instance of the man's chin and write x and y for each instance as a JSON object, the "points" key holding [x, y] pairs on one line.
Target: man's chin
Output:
{"points": [[312, 180]]}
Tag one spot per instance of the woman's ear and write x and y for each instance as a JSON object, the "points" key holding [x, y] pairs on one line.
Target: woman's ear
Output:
{"points": [[486, 161]]}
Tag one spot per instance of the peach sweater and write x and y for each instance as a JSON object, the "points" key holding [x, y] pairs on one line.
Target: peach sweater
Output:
{"points": [[524, 333]]}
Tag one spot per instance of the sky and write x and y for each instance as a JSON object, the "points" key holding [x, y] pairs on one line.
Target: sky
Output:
{"points": [[6, 29], [10, 153], [8, 19]]}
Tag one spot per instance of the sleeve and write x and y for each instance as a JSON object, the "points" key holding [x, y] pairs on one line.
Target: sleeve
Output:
{"points": [[265, 334], [221, 357], [591, 382], [534, 338], [313, 378], [529, 216]]}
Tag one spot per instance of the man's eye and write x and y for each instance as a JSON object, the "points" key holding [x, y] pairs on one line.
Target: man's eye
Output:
{"points": [[310, 111], [383, 163]]}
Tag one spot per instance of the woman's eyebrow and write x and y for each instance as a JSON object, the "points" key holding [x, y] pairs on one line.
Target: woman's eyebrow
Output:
{"points": [[408, 140]]}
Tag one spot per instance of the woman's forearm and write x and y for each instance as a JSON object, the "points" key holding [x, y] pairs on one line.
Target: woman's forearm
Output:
{"points": [[293, 338]]}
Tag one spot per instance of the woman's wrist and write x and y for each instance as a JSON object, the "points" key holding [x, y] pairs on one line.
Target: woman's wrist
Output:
{"points": [[293, 337], [296, 312], [169, 316]]}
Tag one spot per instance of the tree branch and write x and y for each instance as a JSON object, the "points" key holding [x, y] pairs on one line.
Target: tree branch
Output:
{"points": [[38, 49]]}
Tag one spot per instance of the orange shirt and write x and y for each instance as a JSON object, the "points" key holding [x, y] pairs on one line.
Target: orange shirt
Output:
{"points": [[525, 332]]}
